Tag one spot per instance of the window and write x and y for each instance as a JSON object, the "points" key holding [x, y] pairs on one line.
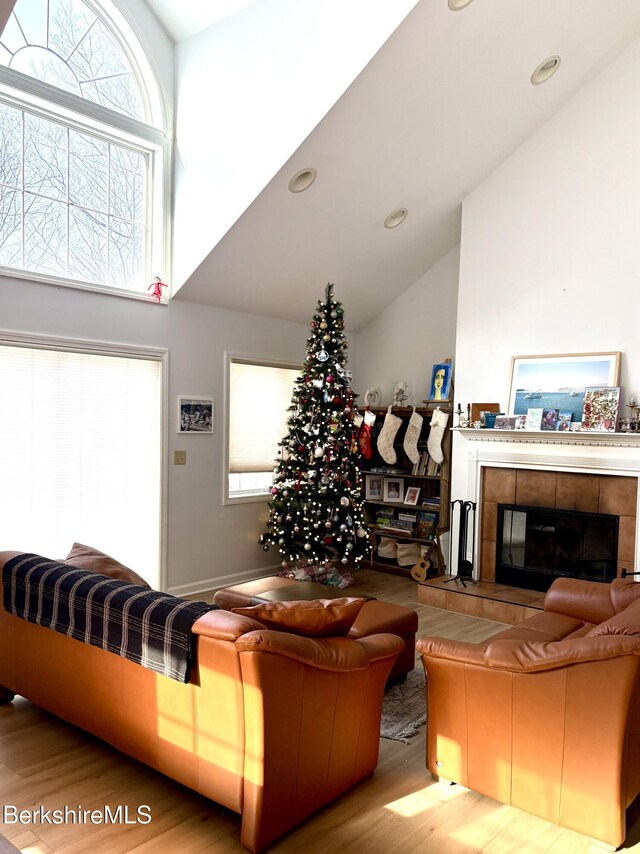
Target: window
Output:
{"points": [[81, 452], [81, 162], [259, 398]]}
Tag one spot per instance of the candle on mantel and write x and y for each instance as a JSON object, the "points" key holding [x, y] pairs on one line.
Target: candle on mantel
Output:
{"points": [[632, 402]]}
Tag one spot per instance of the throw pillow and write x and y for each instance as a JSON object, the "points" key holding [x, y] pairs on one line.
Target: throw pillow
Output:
{"points": [[318, 618], [86, 557]]}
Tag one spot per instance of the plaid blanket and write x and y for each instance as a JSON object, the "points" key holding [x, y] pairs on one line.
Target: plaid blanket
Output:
{"points": [[146, 626]]}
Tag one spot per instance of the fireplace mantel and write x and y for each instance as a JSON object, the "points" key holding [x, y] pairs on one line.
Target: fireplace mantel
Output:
{"points": [[549, 437]]}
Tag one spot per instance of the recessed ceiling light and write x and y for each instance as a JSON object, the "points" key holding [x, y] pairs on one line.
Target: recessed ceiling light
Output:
{"points": [[396, 217], [545, 70], [456, 5], [302, 180]]}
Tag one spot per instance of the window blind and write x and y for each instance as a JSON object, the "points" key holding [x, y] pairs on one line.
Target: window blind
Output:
{"points": [[81, 454], [259, 399]]}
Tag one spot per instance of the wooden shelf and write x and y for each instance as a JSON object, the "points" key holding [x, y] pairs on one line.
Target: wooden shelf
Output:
{"points": [[435, 508], [400, 535]]}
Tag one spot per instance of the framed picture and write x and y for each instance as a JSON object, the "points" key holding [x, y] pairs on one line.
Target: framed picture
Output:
{"points": [[505, 422], [600, 409], [411, 495], [402, 394], [549, 419], [440, 382], [534, 419], [559, 381], [426, 526], [564, 422], [479, 410], [373, 487], [195, 415], [393, 489]]}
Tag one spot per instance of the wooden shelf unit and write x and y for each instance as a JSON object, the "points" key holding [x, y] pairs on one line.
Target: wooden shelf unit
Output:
{"points": [[433, 486]]}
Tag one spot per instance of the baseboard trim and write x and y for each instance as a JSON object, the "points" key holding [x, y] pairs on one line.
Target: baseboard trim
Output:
{"points": [[223, 581]]}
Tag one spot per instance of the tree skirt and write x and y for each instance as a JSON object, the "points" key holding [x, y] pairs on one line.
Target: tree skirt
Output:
{"points": [[404, 707]]}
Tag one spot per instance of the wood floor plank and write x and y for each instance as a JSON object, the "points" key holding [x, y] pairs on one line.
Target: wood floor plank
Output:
{"points": [[399, 810]]}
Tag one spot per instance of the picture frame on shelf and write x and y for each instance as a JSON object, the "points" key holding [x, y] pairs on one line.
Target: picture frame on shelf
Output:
{"points": [[195, 415], [505, 422], [393, 490], [402, 394], [440, 387], [559, 381], [374, 487], [600, 409], [479, 410], [534, 418], [549, 419], [564, 422], [411, 495]]}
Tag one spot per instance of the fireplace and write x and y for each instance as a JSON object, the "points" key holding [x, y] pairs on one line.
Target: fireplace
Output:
{"points": [[588, 496], [534, 545]]}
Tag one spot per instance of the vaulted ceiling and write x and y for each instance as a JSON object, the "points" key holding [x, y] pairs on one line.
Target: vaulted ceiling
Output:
{"points": [[441, 105]]}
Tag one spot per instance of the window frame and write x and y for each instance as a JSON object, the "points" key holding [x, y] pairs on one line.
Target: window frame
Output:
{"points": [[154, 141], [261, 361], [161, 355]]}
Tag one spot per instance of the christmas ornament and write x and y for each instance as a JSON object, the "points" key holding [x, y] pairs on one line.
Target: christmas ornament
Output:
{"points": [[322, 356]]}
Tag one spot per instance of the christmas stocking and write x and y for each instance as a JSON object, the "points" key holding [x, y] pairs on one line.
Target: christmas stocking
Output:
{"points": [[387, 435], [434, 443], [364, 437], [412, 435]]}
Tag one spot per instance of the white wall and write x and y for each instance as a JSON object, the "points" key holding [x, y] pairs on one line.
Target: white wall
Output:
{"points": [[411, 335], [249, 90], [206, 540], [549, 254]]}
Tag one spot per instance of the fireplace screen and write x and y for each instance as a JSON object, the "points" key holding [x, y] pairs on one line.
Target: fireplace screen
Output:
{"points": [[536, 545]]}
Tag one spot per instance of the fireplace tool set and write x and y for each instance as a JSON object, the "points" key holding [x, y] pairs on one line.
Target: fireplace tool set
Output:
{"points": [[466, 520]]}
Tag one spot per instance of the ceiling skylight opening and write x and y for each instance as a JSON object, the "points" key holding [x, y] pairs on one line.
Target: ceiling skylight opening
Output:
{"points": [[396, 218], [545, 70], [456, 5], [302, 180]]}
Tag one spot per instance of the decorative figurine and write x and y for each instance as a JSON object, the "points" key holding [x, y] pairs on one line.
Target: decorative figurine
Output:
{"points": [[156, 288]]}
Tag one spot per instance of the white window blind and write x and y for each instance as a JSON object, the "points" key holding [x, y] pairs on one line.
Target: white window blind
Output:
{"points": [[81, 454], [259, 399]]}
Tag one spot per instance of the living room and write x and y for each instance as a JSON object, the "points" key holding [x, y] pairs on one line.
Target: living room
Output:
{"points": [[543, 241]]}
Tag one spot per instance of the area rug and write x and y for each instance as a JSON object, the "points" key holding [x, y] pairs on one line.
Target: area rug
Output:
{"points": [[403, 708]]}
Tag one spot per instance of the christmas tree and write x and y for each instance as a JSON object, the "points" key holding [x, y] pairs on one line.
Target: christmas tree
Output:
{"points": [[316, 512]]}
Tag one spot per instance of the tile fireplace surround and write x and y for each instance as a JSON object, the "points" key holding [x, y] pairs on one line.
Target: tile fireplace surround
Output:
{"points": [[593, 472]]}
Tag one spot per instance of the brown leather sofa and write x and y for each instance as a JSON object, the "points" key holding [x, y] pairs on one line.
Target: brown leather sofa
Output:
{"points": [[272, 725], [546, 715]]}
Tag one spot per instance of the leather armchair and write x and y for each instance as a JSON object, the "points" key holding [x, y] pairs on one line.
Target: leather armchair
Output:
{"points": [[546, 715]]}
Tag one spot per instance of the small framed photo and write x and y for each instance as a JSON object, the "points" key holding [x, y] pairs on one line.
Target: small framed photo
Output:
{"points": [[195, 415], [373, 487], [411, 495], [549, 419], [393, 489], [440, 382], [505, 422], [564, 422], [600, 409]]}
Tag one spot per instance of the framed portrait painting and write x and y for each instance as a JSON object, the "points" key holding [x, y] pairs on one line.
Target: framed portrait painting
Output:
{"points": [[559, 381], [393, 489], [440, 387]]}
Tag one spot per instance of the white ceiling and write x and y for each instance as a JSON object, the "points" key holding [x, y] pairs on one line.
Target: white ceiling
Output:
{"points": [[182, 20], [441, 105]]}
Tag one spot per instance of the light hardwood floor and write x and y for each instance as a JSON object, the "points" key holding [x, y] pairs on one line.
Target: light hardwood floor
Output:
{"points": [[400, 810]]}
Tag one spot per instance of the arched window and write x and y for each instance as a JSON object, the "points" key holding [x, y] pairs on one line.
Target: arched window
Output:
{"points": [[82, 193]]}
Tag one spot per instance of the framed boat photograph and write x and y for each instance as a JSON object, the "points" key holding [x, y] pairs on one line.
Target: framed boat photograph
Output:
{"points": [[559, 381]]}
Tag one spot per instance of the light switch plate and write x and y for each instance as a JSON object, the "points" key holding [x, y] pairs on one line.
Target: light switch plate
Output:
{"points": [[179, 458]]}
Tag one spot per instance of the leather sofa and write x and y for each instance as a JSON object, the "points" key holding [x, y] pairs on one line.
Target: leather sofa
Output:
{"points": [[546, 715], [272, 725]]}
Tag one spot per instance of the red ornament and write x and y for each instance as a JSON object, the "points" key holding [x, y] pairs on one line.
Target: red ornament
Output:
{"points": [[328, 540]]}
